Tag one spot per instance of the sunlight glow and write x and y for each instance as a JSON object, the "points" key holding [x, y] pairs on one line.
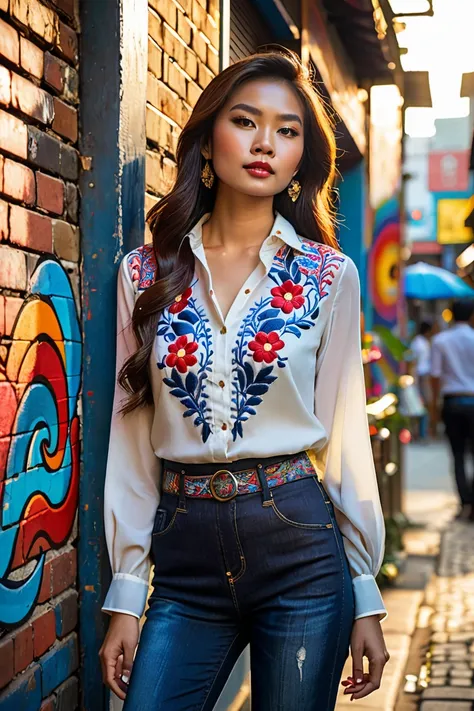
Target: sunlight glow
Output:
{"points": [[401, 6], [441, 45], [420, 123]]}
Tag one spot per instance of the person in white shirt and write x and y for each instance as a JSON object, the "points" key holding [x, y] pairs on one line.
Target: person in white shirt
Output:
{"points": [[240, 461], [421, 347], [452, 371]]}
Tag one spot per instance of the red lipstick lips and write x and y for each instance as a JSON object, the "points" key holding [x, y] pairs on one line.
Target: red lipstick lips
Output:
{"points": [[259, 169]]}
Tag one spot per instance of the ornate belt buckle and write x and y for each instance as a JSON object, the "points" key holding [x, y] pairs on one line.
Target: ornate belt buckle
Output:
{"points": [[223, 491]]}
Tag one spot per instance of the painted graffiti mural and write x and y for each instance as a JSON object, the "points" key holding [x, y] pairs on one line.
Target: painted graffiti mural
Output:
{"points": [[385, 172], [384, 247], [384, 260], [40, 376]]}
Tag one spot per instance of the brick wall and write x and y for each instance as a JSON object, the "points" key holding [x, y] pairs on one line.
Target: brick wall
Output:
{"points": [[183, 57], [40, 354]]}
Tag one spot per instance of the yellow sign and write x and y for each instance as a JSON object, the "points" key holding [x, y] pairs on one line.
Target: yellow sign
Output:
{"points": [[451, 216]]}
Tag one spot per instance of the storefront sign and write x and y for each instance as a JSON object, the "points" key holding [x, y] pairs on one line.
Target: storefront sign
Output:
{"points": [[451, 217], [449, 171]]}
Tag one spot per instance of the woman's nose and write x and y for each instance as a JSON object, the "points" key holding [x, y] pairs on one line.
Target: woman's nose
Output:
{"points": [[263, 147]]}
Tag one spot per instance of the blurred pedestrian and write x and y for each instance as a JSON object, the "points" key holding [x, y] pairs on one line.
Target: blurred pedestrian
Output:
{"points": [[452, 371], [421, 347], [240, 460]]}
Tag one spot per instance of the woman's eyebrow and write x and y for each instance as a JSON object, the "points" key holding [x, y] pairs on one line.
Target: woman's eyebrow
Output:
{"points": [[246, 107], [290, 117], [256, 112]]}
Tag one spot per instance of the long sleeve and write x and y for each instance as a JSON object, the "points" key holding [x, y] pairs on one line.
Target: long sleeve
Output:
{"points": [[346, 461], [131, 487]]}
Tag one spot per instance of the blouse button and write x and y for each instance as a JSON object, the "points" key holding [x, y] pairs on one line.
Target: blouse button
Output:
{"points": [[247, 291], [223, 330], [224, 426], [221, 384], [278, 232], [211, 293]]}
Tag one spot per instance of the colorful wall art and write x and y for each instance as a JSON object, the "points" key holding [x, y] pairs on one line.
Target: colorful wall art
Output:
{"points": [[40, 379]]}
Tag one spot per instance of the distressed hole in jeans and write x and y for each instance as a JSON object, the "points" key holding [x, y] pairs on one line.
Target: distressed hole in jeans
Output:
{"points": [[300, 658]]}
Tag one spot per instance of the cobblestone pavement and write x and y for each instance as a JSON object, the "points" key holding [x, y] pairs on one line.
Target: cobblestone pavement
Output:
{"points": [[429, 502], [450, 660]]}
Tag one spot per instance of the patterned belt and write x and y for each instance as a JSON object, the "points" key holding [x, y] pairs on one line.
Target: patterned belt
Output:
{"points": [[224, 485]]}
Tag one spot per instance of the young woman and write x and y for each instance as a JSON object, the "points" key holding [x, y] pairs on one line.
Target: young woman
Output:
{"points": [[240, 462]]}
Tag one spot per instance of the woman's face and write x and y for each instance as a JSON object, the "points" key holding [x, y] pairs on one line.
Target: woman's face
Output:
{"points": [[257, 141]]}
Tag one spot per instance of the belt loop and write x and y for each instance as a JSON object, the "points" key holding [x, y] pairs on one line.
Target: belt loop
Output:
{"points": [[182, 495], [267, 497]]}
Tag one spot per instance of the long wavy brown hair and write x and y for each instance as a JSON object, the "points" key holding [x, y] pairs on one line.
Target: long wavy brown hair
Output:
{"points": [[173, 217]]}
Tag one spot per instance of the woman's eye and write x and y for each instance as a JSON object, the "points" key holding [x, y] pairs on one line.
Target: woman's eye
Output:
{"points": [[243, 121], [287, 131]]}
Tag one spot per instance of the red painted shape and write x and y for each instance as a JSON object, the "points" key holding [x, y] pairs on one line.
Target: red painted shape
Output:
{"points": [[7, 417], [42, 360], [8, 408], [56, 521], [4, 448]]}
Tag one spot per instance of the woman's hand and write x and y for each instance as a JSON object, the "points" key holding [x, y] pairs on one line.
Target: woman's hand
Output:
{"points": [[366, 641], [117, 651]]}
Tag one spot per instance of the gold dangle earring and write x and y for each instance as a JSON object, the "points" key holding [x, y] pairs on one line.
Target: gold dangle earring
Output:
{"points": [[294, 190], [207, 175]]}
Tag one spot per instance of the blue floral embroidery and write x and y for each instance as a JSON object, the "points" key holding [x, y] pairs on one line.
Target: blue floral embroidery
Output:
{"points": [[142, 266], [304, 274], [176, 328], [301, 279]]}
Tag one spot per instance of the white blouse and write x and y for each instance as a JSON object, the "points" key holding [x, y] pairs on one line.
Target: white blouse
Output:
{"points": [[280, 374]]}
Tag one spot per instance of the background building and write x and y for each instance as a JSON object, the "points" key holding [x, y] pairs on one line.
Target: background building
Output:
{"points": [[93, 96]]}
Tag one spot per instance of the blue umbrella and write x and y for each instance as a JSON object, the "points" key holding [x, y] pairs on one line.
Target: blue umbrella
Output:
{"points": [[423, 281]]}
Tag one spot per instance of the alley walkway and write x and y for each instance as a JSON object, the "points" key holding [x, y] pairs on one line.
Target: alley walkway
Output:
{"points": [[449, 597], [430, 504], [450, 659]]}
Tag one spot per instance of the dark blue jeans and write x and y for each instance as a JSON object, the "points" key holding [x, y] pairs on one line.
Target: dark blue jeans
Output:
{"points": [[458, 417], [266, 571]]}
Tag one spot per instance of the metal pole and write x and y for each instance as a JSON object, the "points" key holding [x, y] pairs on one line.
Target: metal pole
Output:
{"points": [[113, 141]]}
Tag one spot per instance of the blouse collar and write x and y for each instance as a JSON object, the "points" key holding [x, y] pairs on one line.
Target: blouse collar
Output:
{"points": [[282, 232]]}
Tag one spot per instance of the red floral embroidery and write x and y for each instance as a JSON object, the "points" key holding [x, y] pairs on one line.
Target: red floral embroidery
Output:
{"points": [[181, 354], [180, 303], [134, 263], [287, 297], [265, 346]]}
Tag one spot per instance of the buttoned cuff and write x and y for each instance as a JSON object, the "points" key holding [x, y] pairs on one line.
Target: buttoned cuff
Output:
{"points": [[127, 594], [368, 600]]}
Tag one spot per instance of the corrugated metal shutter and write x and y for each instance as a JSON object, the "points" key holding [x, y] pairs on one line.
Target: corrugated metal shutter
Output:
{"points": [[247, 30]]}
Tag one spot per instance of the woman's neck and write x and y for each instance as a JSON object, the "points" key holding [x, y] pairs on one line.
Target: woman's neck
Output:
{"points": [[238, 221]]}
